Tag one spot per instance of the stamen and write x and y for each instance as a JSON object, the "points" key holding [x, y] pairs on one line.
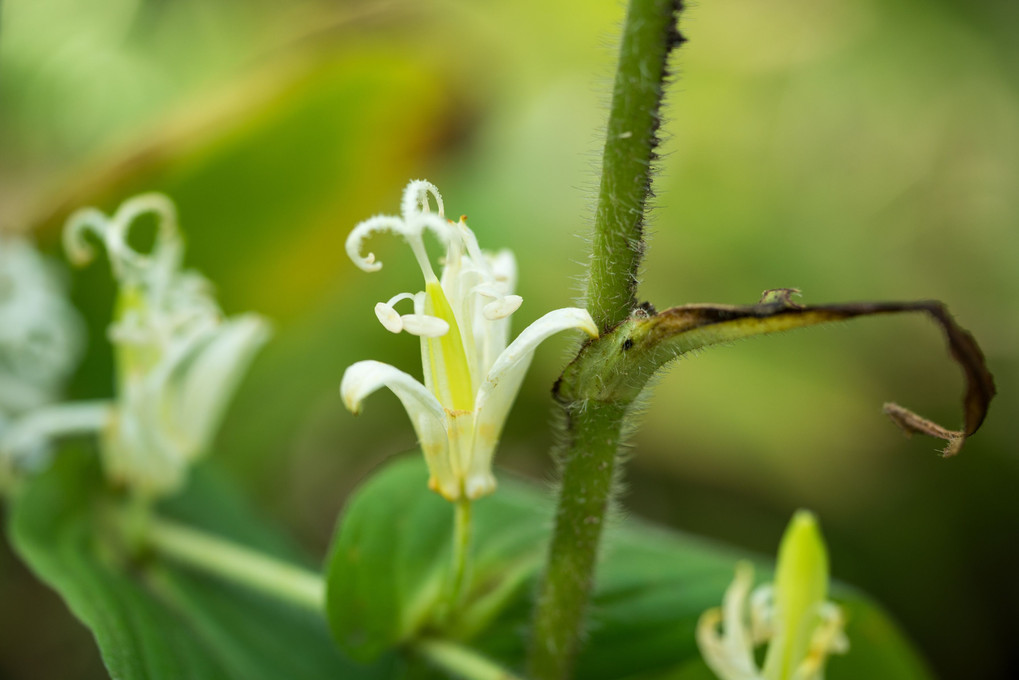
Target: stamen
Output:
{"points": [[471, 243], [387, 314], [417, 246], [424, 325], [504, 268], [502, 307], [388, 317]]}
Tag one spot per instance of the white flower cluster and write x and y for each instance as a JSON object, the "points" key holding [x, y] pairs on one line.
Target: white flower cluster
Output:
{"points": [[178, 361], [40, 342]]}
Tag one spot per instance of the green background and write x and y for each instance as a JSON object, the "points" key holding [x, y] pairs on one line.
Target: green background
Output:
{"points": [[855, 149]]}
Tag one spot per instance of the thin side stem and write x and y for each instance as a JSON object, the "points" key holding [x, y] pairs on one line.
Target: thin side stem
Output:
{"points": [[300, 587], [460, 661], [587, 480], [461, 552], [237, 564], [649, 35]]}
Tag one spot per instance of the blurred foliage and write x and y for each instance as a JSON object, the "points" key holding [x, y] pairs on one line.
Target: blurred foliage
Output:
{"points": [[153, 619], [652, 589], [855, 149]]}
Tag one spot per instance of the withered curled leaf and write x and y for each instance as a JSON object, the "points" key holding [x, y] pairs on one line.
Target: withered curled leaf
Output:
{"points": [[678, 330]]}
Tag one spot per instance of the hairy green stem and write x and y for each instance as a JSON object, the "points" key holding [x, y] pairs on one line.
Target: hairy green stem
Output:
{"points": [[594, 418], [618, 244], [236, 563], [460, 661], [587, 479]]}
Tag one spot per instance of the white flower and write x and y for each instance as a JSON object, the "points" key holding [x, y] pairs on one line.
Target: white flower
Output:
{"points": [[178, 361], [40, 342], [40, 333], [471, 376], [793, 614]]}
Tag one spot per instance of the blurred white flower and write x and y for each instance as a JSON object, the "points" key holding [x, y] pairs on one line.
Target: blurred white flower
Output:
{"points": [[41, 339], [792, 615], [471, 376], [41, 335], [178, 361]]}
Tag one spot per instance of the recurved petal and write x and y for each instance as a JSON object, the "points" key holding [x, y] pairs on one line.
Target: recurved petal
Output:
{"points": [[497, 392], [425, 412], [34, 432], [512, 363], [202, 385], [365, 377]]}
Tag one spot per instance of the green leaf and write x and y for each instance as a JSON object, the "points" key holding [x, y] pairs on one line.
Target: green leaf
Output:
{"points": [[392, 546], [390, 554], [153, 620]]}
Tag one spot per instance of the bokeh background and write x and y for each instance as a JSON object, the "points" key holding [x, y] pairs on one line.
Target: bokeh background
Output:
{"points": [[855, 149]]}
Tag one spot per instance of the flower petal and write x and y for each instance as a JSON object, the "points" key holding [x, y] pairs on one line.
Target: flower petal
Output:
{"points": [[31, 434], [203, 382], [425, 412], [497, 392], [41, 335], [729, 652], [504, 269]]}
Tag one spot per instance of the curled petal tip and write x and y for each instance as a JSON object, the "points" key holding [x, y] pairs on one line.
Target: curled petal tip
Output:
{"points": [[579, 318], [350, 400], [351, 391]]}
